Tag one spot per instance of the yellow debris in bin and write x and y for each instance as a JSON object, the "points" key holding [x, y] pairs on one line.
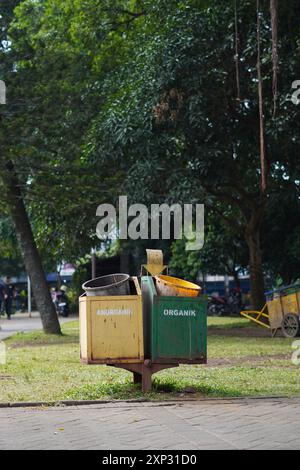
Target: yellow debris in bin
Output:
{"points": [[172, 286], [111, 327]]}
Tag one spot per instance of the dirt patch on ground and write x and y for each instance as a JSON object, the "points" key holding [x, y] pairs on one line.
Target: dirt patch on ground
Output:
{"points": [[255, 332], [255, 360]]}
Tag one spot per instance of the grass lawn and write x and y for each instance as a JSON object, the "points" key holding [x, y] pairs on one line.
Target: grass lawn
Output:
{"points": [[47, 368]]}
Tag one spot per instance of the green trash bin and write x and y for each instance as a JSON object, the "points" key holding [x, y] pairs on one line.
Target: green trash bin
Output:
{"points": [[175, 328]]}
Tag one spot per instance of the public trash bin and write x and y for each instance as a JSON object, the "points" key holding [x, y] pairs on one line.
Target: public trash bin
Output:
{"points": [[113, 284], [275, 311], [290, 301], [283, 311], [175, 328], [111, 327]]}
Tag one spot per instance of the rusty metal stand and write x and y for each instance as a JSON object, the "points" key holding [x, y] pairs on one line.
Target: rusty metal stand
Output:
{"points": [[142, 372]]}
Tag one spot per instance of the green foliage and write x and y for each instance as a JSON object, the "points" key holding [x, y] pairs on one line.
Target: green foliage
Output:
{"points": [[223, 253], [282, 234], [10, 257], [138, 97], [82, 274], [176, 124]]}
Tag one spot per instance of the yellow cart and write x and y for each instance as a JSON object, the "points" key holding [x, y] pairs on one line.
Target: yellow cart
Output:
{"points": [[282, 310]]}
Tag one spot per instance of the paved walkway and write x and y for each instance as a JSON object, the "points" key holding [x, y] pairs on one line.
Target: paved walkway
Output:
{"points": [[22, 323], [230, 424]]}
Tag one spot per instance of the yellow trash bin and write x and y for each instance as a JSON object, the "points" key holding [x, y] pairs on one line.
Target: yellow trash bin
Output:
{"points": [[111, 327], [290, 303], [275, 312]]}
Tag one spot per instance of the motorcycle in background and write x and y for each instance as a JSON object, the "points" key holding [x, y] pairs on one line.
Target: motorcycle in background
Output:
{"points": [[224, 306], [61, 301]]}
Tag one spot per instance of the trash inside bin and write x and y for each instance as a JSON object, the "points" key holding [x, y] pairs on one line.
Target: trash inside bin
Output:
{"points": [[113, 284], [172, 286]]}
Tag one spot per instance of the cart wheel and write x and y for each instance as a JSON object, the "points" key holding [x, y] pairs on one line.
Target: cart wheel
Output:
{"points": [[291, 325]]}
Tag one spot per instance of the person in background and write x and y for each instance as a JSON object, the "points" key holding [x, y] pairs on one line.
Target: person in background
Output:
{"points": [[53, 294], [9, 293]]}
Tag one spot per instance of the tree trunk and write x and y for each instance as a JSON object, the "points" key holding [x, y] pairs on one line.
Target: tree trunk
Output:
{"points": [[252, 236], [30, 253], [263, 157]]}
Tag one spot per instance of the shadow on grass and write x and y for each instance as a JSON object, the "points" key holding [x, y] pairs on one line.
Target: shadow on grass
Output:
{"points": [[106, 390], [162, 389], [186, 388]]}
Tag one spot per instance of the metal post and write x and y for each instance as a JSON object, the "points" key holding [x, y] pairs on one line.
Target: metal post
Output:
{"points": [[2, 101], [2, 92], [94, 263], [29, 295], [226, 284]]}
